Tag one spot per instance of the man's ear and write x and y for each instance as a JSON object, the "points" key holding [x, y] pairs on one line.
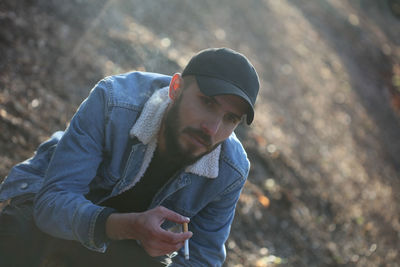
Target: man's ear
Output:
{"points": [[175, 86]]}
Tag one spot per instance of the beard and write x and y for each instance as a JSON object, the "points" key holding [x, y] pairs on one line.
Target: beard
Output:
{"points": [[175, 151]]}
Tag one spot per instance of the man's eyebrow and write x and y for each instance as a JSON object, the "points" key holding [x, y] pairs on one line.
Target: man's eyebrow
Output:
{"points": [[212, 98], [215, 101], [236, 116]]}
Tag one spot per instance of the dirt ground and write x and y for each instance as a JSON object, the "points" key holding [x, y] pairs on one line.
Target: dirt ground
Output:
{"points": [[324, 188]]}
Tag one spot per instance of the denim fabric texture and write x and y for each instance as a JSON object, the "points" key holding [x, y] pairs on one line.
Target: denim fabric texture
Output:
{"points": [[95, 159]]}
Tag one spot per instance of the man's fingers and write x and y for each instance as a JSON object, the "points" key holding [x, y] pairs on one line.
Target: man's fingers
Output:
{"points": [[158, 248], [173, 216], [158, 241], [174, 238]]}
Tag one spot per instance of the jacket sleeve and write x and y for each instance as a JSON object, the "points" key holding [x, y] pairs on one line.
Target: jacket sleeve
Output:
{"points": [[61, 208], [211, 228]]}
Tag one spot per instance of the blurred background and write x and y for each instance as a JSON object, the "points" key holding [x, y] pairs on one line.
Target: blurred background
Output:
{"points": [[324, 186]]}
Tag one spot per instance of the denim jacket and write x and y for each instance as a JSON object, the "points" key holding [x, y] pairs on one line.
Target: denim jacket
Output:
{"points": [[101, 155]]}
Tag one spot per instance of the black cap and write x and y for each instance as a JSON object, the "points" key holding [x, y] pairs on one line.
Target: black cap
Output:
{"points": [[222, 71]]}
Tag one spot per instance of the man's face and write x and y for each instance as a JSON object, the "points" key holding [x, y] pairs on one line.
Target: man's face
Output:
{"points": [[195, 124]]}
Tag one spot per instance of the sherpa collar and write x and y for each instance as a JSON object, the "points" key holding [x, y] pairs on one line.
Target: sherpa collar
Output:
{"points": [[146, 129]]}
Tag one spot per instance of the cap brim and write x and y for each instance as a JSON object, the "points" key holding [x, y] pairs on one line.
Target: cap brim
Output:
{"points": [[212, 86]]}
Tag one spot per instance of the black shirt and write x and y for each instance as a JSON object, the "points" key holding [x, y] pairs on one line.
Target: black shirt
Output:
{"points": [[139, 197]]}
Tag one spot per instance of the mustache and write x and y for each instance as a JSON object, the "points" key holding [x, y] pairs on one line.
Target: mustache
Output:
{"points": [[204, 138]]}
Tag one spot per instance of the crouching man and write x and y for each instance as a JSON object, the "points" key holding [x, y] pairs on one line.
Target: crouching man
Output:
{"points": [[144, 152]]}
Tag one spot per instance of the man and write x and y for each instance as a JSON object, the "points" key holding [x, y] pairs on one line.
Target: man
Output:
{"points": [[143, 153]]}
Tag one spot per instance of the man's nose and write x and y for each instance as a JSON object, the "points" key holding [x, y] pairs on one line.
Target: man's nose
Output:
{"points": [[211, 126]]}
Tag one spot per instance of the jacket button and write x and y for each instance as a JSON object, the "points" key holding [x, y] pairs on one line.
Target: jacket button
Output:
{"points": [[23, 186]]}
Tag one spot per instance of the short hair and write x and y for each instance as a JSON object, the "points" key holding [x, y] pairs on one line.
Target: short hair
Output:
{"points": [[188, 80]]}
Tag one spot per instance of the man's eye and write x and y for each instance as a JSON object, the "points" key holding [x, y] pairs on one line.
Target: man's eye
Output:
{"points": [[207, 101], [233, 119]]}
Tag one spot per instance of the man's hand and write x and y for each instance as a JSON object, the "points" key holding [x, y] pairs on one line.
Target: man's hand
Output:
{"points": [[146, 227]]}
